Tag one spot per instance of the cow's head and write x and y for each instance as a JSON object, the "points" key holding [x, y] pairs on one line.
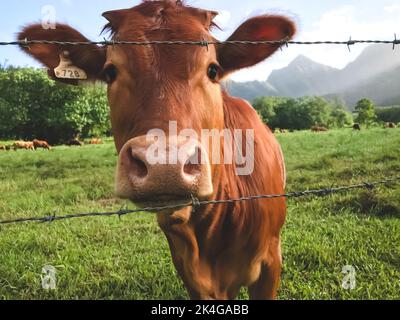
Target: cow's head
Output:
{"points": [[153, 86]]}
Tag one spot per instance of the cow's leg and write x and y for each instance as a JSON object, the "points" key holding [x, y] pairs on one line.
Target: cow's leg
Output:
{"points": [[195, 274], [199, 275], [185, 253], [179, 263], [266, 287]]}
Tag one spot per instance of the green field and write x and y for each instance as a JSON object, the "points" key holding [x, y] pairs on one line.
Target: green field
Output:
{"points": [[128, 258]]}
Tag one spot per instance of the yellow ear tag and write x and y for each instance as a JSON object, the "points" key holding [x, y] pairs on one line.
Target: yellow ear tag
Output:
{"points": [[66, 69]]}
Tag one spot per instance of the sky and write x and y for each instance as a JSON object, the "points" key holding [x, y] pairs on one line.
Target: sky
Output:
{"points": [[316, 20]]}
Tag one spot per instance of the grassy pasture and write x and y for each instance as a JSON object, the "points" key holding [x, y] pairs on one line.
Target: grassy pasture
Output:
{"points": [[109, 258]]}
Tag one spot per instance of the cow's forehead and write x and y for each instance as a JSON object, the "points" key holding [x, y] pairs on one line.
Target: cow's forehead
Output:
{"points": [[170, 18], [163, 21], [157, 63]]}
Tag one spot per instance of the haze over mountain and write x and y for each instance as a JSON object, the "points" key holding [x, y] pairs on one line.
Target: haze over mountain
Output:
{"points": [[375, 74]]}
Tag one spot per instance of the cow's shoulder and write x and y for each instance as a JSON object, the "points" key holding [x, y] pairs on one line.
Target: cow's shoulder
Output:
{"points": [[239, 114], [268, 156]]}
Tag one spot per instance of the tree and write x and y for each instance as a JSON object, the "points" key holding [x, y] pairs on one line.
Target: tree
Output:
{"points": [[265, 107], [285, 115], [33, 106], [366, 113], [313, 111], [301, 113], [340, 117], [389, 114]]}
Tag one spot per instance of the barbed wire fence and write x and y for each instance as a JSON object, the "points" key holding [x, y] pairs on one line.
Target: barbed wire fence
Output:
{"points": [[204, 43], [195, 204]]}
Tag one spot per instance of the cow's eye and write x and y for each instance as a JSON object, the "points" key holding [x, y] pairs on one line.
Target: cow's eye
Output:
{"points": [[110, 73], [213, 71]]}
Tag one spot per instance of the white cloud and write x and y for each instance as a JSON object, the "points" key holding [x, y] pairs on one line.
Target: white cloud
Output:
{"points": [[223, 18], [392, 8], [338, 24], [342, 23]]}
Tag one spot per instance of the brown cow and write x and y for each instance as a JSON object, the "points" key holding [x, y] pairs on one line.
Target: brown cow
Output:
{"points": [[3, 148], [318, 129], [167, 89], [96, 141], [390, 125], [41, 144], [75, 142], [27, 145]]}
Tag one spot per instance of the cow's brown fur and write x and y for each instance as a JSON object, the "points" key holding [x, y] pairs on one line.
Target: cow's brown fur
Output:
{"points": [[319, 129], [96, 141], [217, 249], [41, 144], [75, 142], [27, 145]]}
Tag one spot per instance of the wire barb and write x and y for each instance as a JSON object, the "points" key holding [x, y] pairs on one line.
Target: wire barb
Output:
{"points": [[195, 203], [49, 219], [369, 186], [395, 41], [204, 43], [285, 42], [26, 44], [350, 43]]}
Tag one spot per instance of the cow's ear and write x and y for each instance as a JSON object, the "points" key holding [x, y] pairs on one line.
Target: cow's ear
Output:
{"points": [[233, 57], [90, 58]]}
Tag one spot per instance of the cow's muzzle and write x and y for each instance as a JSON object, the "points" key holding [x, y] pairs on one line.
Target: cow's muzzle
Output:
{"points": [[153, 172]]}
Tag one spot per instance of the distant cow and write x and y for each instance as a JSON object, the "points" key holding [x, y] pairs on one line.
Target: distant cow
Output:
{"points": [[96, 141], [41, 144], [282, 131], [3, 148], [357, 126], [74, 142], [319, 129], [27, 145], [390, 125]]}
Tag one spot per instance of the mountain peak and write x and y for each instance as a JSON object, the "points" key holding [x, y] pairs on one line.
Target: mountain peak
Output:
{"points": [[307, 63], [301, 60], [374, 74]]}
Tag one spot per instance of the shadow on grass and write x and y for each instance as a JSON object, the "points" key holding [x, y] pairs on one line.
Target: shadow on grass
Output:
{"points": [[371, 203]]}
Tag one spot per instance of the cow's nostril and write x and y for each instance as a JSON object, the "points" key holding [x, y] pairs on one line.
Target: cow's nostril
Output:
{"points": [[192, 169], [193, 164], [137, 167]]}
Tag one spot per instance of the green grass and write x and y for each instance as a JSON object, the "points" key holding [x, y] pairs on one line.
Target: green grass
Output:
{"points": [[128, 258]]}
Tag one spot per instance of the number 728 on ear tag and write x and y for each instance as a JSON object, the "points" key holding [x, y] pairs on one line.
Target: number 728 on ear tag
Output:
{"points": [[66, 69]]}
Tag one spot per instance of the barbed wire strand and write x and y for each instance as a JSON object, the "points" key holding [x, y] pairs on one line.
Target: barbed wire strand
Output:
{"points": [[195, 203], [203, 43]]}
